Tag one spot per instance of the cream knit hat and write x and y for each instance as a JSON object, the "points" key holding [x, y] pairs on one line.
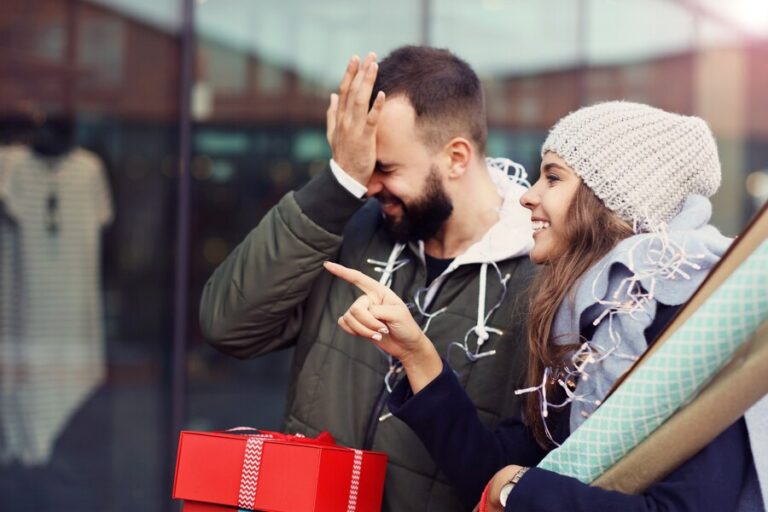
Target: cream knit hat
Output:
{"points": [[642, 162]]}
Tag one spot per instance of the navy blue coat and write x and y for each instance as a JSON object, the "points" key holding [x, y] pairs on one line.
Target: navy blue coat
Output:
{"points": [[469, 454]]}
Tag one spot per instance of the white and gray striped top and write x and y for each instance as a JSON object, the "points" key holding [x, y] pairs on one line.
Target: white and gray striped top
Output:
{"points": [[52, 351]]}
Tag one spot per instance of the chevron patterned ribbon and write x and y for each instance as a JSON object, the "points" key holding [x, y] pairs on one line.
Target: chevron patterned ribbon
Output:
{"points": [[249, 479], [671, 376], [354, 484]]}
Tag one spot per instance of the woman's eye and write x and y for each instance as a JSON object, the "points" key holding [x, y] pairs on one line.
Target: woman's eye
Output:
{"points": [[551, 178]]}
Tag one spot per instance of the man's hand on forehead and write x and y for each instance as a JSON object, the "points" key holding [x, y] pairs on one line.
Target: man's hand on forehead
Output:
{"points": [[351, 126]]}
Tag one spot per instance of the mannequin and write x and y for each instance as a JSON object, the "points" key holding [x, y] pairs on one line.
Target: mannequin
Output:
{"points": [[56, 196]]}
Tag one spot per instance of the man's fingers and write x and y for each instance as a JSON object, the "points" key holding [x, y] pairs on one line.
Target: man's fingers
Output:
{"points": [[346, 81], [365, 89], [330, 116], [373, 115], [363, 282], [357, 83]]}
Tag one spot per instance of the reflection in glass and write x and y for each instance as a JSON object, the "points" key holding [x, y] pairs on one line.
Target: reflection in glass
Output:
{"points": [[88, 122]]}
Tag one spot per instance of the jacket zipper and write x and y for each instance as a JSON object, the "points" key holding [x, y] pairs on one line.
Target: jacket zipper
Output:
{"points": [[373, 421]]}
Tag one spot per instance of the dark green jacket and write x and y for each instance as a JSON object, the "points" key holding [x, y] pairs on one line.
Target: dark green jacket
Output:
{"points": [[273, 293]]}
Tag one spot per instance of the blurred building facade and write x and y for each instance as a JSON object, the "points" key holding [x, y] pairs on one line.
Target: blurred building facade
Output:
{"points": [[188, 179]]}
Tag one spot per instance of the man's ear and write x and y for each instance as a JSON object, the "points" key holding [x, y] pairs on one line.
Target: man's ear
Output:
{"points": [[459, 152]]}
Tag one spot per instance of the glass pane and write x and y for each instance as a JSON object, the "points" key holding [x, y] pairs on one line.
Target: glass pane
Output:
{"points": [[749, 17], [89, 114], [264, 77], [503, 37], [625, 30], [312, 39]]}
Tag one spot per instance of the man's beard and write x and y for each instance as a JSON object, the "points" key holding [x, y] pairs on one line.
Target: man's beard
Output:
{"points": [[424, 217]]}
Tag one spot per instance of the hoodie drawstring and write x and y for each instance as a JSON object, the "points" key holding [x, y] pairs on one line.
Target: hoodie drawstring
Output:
{"points": [[389, 267], [387, 270], [480, 329]]}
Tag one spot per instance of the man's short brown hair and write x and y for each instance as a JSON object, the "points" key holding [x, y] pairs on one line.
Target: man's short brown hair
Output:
{"points": [[443, 90]]}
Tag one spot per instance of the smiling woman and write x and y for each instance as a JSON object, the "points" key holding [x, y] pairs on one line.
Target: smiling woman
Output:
{"points": [[550, 201]]}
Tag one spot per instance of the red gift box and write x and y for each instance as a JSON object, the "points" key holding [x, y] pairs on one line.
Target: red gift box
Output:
{"points": [[271, 472]]}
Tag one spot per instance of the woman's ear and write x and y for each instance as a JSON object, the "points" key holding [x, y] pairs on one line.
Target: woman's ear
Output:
{"points": [[460, 153]]}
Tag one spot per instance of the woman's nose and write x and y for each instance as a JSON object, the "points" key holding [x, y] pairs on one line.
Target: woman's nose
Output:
{"points": [[530, 199]]}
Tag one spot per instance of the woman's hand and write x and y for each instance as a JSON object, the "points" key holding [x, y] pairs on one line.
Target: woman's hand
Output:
{"points": [[499, 480], [379, 315], [382, 317]]}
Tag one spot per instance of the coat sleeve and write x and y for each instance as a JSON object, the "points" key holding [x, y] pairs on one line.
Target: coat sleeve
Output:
{"points": [[704, 483], [253, 302], [465, 450], [711, 481], [469, 454]]}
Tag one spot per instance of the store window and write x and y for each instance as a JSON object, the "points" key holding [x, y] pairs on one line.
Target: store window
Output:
{"points": [[90, 114]]}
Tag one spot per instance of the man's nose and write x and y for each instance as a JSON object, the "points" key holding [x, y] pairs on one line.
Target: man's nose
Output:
{"points": [[375, 185]]}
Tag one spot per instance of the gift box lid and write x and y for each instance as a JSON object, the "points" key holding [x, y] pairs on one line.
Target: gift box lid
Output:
{"points": [[287, 473]]}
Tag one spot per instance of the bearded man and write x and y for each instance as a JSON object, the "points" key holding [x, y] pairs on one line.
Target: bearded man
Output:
{"points": [[410, 199]]}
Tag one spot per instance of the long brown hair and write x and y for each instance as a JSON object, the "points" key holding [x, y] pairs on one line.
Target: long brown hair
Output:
{"points": [[591, 232]]}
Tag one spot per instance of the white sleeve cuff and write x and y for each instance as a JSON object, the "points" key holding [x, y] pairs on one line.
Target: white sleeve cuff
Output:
{"points": [[348, 182]]}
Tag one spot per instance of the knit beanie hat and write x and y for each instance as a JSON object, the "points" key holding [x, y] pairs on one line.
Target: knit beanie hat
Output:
{"points": [[642, 162]]}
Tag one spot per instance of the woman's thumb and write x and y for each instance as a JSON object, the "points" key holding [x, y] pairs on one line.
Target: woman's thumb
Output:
{"points": [[388, 313]]}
